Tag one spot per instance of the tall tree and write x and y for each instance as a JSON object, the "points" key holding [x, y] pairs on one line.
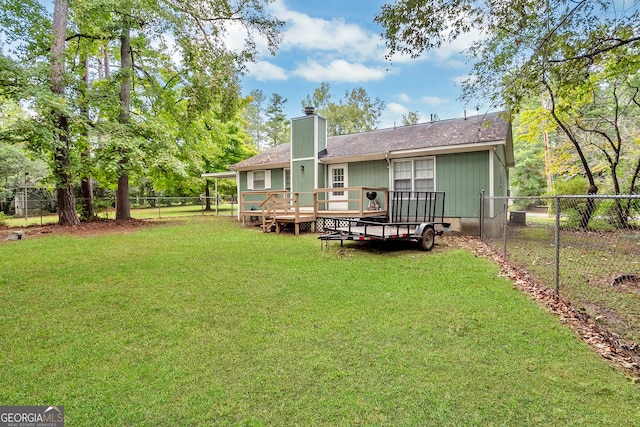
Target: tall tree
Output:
{"points": [[254, 119], [67, 214], [175, 58], [146, 32], [277, 125], [87, 211], [530, 48], [123, 208], [355, 112]]}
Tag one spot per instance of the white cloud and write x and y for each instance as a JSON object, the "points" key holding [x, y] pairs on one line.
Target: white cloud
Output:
{"points": [[430, 101], [433, 101], [265, 71], [338, 71], [397, 109], [403, 97], [335, 37]]}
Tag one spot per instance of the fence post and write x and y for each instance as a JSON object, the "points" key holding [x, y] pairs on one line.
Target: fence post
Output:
{"points": [[481, 216], [158, 203], [504, 232], [556, 274]]}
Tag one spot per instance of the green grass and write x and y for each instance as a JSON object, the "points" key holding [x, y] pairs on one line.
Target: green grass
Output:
{"points": [[203, 322]]}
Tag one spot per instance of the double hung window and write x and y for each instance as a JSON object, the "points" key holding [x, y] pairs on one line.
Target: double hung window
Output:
{"points": [[414, 174], [259, 180]]}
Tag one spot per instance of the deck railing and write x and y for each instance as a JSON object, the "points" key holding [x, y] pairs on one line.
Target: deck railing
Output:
{"points": [[352, 200], [280, 202], [284, 204]]}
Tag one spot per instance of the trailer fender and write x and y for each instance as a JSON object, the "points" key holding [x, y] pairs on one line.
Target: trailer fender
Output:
{"points": [[426, 234]]}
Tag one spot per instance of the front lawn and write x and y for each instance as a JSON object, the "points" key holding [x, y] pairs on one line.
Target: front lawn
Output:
{"points": [[203, 322]]}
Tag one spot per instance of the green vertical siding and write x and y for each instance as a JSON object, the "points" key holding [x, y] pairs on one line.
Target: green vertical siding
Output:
{"points": [[242, 181], [302, 137], [462, 176], [322, 176], [368, 174], [501, 177], [302, 181], [277, 179], [322, 133]]}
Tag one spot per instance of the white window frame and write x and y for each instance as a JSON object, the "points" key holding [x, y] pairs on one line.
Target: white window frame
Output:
{"points": [[251, 180], [338, 192], [413, 172]]}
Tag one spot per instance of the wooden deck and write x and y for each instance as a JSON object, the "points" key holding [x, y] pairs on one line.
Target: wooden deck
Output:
{"points": [[274, 208], [278, 218]]}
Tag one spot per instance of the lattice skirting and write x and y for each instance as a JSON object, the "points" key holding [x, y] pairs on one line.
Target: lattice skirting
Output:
{"points": [[331, 222]]}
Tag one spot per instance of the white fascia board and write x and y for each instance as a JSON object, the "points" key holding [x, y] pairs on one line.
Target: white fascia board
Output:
{"points": [[264, 167], [353, 159], [463, 148], [227, 175]]}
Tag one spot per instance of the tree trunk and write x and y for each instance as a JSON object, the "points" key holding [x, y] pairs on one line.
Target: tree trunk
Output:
{"points": [[123, 209], [593, 188], [67, 214], [123, 206], [86, 187], [589, 208]]}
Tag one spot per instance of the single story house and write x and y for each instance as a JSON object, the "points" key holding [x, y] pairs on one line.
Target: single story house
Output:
{"points": [[460, 157]]}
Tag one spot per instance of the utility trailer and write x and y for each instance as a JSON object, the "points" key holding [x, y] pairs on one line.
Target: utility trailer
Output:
{"points": [[416, 216]]}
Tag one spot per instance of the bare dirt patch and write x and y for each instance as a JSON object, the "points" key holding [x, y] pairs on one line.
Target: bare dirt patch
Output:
{"points": [[92, 228], [628, 283]]}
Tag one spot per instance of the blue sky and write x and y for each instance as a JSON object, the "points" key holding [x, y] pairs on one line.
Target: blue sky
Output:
{"points": [[338, 42]]}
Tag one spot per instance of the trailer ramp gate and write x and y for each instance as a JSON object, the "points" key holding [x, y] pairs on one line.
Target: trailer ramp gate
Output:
{"points": [[411, 216]]}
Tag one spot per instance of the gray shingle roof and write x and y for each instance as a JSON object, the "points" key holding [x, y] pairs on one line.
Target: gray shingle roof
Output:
{"points": [[440, 134], [278, 156]]}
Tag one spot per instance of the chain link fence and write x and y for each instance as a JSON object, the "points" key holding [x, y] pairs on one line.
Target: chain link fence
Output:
{"points": [[586, 248], [38, 210]]}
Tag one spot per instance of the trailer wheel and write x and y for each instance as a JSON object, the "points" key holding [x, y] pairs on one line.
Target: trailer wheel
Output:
{"points": [[428, 239]]}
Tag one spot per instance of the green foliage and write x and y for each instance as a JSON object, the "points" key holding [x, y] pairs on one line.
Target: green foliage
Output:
{"points": [[573, 208], [255, 123], [576, 185], [277, 125], [411, 118], [182, 110], [581, 58], [354, 113]]}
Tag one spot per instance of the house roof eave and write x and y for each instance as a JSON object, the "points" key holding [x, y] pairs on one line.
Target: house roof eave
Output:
{"points": [[262, 166], [431, 151], [353, 159]]}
